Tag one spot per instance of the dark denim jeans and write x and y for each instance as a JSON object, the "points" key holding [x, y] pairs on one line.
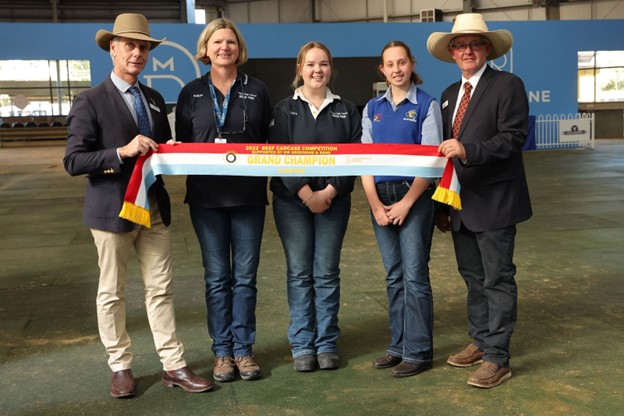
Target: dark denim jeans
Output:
{"points": [[405, 254], [230, 279], [312, 244]]}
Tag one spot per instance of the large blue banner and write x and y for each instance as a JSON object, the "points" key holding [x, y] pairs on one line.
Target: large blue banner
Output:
{"points": [[544, 53]]}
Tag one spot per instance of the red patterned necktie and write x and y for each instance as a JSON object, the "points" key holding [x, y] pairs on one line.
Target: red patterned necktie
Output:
{"points": [[461, 110]]}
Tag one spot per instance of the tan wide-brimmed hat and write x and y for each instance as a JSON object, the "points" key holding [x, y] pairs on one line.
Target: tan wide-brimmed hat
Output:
{"points": [[127, 25], [469, 24]]}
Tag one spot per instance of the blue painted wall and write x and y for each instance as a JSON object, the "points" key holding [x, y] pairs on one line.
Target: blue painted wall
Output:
{"points": [[544, 54]]}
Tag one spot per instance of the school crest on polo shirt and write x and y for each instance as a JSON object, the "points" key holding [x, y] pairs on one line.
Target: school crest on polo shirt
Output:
{"points": [[410, 116]]}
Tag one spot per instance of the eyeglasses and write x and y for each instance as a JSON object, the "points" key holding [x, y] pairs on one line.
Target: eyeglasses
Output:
{"points": [[243, 104], [228, 133], [475, 46]]}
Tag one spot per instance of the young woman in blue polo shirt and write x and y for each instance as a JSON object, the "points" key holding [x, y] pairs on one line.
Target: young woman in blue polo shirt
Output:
{"points": [[311, 213], [402, 211]]}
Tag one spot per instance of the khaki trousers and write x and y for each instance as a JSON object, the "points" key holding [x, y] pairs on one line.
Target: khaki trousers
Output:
{"points": [[153, 249]]}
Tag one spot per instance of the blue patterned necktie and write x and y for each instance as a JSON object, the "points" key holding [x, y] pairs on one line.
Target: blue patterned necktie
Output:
{"points": [[141, 113]]}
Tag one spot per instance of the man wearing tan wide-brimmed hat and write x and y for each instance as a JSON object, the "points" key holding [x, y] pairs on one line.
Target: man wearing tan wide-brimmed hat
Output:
{"points": [[109, 126], [485, 122]]}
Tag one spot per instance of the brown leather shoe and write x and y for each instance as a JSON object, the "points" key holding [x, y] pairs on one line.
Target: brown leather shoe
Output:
{"points": [[489, 375], [224, 369], [305, 363], [328, 360], [186, 380], [406, 369], [387, 361], [122, 384], [248, 368], [470, 355]]}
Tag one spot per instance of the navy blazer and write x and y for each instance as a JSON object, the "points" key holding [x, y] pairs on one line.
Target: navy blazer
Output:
{"points": [[494, 189], [98, 123]]}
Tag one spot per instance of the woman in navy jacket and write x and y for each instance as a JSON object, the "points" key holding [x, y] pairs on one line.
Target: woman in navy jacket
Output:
{"points": [[312, 214], [227, 106]]}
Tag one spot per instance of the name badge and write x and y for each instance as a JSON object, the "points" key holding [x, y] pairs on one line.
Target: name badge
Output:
{"points": [[220, 140], [154, 107]]}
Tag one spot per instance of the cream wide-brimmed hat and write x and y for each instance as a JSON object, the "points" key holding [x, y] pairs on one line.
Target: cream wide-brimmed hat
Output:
{"points": [[469, 24], [127, 25]]}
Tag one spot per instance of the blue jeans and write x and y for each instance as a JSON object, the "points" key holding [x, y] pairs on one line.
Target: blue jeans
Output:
{"points": [[405, 254], [312, 244], [230, 279]]}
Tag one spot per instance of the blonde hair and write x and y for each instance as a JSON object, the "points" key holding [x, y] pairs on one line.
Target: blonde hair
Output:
{"points": [[210, 29], [301, 56], [415, 78]]}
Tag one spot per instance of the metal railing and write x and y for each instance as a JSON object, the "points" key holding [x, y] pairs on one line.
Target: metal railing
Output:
{"points": [[549, 133], [21, 135]]}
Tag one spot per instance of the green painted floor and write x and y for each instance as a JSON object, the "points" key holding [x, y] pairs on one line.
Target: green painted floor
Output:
{"points": [[566, 352]]}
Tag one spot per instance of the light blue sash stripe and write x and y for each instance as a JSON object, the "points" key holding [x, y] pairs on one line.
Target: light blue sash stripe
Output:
{"points": [[263, 170]]}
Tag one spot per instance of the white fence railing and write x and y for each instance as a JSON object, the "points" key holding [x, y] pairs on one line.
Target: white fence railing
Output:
{"points": [[564, 131]]}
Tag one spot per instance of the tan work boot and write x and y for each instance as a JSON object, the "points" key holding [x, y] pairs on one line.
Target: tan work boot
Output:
{"points": [[225, 369], [248, 368]]}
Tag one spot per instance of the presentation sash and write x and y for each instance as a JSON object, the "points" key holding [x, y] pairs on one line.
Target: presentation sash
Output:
{"points": [[242, 159]]}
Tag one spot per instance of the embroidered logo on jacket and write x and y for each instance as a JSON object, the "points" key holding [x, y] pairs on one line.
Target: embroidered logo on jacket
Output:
{"points": [[342, 114], [247, 96], [410, 116], [376, 118]]}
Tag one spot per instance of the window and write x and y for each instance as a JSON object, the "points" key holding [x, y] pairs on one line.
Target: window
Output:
{"points": [[431, 15], [200, 16], [41, 88], [600, 76]]}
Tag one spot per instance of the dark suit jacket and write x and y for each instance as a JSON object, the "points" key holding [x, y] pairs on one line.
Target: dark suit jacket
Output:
{"points": [[494, 191], [98, 123]]}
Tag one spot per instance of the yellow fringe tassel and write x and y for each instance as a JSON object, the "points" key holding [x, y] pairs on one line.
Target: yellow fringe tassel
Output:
{"points": [[448, 197], [136, 214]]}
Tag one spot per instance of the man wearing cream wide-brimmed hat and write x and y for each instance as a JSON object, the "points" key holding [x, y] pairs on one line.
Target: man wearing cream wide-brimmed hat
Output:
{"points": [[485, 122], [110, 125]]}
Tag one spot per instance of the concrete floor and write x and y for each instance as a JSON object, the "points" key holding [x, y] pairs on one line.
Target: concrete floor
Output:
{"points": [[565, 352]]}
